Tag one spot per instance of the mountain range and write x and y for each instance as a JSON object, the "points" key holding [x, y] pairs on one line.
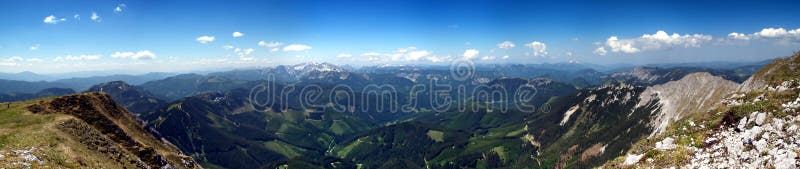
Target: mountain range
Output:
{"points": [[659, 116]]}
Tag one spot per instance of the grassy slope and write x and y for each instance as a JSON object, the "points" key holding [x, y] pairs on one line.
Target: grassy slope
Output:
{"points": [[65, 141]]}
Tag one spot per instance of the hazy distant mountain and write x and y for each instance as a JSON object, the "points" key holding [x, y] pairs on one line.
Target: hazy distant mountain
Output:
{"points": [[184, 85], [12, 97], [647, 76], [83, 83], [16, 86], [26, 76]]}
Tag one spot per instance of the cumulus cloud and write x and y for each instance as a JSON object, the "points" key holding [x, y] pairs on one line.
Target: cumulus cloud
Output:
{"points": [[53, 19], [470, 54], [738, 36], [205, 39], [96, 17], [227, 47], [539, 48], [296, 47], [145, 54], [416, 55], [119, 8], [659, 40], [600, 51], [769, 33], [505, 45], [488, 58], [273, 45], [505, 57], [237, 34]]}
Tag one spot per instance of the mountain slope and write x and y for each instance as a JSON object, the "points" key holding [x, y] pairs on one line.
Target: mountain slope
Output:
{"points": [[755, 127], [80, 131], [133, 98], [185, 85], [695, 92], [222, 129]]}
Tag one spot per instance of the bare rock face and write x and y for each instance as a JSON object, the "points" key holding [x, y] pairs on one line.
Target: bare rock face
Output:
{"points": [[694, 93], [752, 83]]}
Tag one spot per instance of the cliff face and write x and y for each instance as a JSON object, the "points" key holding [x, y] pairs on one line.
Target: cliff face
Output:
{"points": [[694, 93], [85, 130]]}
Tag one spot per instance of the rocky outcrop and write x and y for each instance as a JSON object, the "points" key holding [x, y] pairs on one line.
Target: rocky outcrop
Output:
{"points": [[694, 93]]}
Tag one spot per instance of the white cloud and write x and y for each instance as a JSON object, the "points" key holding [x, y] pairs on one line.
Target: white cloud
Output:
{"points": [[373, 56], [405, 54], [416, 55], [769, 33], [569, 53], [659, 40], [34, 47], [271, 44], [296, 47], [77, 58], [488, 58], [243, 52], [119, 8], [274, 49], [237, 34], [14, 59], [145, 54], [600, 51], [11, 61], [772, 32], [96, 17], [344, 55], [505, 45], [739, 36], [539, 48], [436, 59], [247, 59], [205, 39], [505, 57], [625, 46], [227, 47], [470, 54], [76, 16], [53, 19]]}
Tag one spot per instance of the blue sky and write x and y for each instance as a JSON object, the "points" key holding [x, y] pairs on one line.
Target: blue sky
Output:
{"points": [[143, 36]]}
